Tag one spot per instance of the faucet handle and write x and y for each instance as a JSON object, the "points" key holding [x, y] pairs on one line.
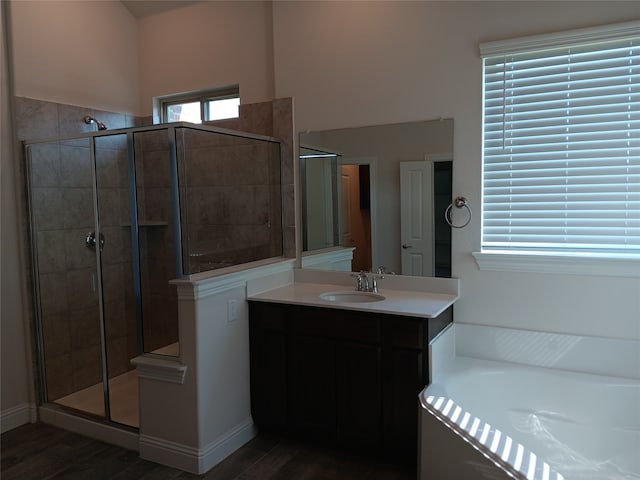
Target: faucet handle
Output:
{"points": [[383, 270], [365, 281], [362, 283]]}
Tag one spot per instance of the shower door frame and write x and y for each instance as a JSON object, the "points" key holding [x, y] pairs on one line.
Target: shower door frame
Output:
{"points": [[42, 391]]}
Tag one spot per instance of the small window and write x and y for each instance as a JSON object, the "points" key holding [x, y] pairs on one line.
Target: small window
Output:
{"points": [[198, 107]]}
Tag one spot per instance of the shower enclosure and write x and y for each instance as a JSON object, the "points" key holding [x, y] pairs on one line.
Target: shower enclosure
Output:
{"points": [[114, 217]]}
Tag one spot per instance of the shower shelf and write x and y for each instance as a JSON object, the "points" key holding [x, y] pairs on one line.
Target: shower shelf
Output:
{"points": [[148, 223]]}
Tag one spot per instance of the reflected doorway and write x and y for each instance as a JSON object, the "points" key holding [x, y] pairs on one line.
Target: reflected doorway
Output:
{"points": [[356, 214]]}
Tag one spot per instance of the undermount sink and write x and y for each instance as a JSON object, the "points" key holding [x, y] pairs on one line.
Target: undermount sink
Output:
{"points": [[352, 297]]}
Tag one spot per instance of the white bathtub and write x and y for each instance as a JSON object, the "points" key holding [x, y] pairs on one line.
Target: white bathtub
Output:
{"points": [[518, 412]]}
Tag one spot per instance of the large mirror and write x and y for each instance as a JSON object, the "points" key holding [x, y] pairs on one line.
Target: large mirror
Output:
{"points": [[381, 192]]}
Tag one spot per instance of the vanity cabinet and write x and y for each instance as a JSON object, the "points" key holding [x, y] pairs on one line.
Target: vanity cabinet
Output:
{"points": [[343, 377]]}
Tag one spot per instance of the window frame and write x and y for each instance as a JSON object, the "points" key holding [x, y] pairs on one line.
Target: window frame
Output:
{"points": [[203, 97], [554, 261]]}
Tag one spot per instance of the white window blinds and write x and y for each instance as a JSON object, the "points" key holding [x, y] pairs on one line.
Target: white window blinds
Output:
{"points": [[561, 164]]}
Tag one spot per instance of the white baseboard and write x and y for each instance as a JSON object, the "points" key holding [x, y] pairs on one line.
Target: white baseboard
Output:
{"points": [[15, 416], [99, 431], [196, 460]]}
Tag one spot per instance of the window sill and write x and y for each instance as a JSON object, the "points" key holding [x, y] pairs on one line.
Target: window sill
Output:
{"points": [[540, 262]]}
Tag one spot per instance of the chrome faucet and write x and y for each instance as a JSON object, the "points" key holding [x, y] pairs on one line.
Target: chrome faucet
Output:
{"points": [[362, 281], [363, 284]]}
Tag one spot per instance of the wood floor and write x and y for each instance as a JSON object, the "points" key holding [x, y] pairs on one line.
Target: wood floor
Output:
{"points": [[42, 452]]}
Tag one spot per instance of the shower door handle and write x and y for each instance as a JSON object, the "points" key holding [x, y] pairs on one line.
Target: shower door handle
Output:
{"points": [[90, 241]]}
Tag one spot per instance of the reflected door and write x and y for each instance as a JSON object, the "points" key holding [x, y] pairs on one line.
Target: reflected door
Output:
{"points": [[416, 218]]}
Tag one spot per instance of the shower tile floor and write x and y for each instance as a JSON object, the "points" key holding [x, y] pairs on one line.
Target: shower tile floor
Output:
{"points": [[123, 395]]}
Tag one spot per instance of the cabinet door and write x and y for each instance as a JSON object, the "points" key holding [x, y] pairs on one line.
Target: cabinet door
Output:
{"points": [[402, 384], [268, 366], [405, 375], [359, 376], [313, 387]]}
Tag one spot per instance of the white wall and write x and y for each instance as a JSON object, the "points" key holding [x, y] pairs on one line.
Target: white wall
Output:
{"points": [[209, 44], [362, 63], [15, 401], [79, 53]]}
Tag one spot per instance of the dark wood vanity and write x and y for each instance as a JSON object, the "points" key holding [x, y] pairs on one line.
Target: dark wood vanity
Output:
{"points": [[347, 378]]}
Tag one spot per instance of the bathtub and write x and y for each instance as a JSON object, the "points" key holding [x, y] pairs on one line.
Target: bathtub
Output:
{"points": [[506, 404]]}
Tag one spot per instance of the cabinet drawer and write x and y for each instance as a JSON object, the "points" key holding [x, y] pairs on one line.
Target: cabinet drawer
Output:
{"points": [[267, 316], [335, 324], [311, 322]]}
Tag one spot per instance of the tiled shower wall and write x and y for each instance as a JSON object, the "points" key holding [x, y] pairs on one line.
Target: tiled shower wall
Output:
{"points": [[231, 188], [62, 202], [72, 352], [275, 119]]}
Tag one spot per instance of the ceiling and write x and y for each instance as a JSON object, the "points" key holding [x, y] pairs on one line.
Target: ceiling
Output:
{"points": [[144, 8]]}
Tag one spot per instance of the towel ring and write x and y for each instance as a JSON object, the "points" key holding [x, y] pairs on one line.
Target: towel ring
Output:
{"points": [[458, 202]]}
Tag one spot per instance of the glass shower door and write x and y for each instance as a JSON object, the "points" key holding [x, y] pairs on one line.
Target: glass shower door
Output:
{"points": [[62, 214], [87, 330], [114, 184]]}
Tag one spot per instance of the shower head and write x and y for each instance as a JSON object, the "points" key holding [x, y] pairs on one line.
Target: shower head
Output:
{"points": [[101, 126]]}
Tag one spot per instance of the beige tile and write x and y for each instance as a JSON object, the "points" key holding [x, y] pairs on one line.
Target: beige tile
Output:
{"points": [[58, 376], [113, 120], [48, 206], [87, 367], [109, 207], [115, 319], [157, 204], [75, 166], [150, 141], [77, 254], [51, 251], [71, 119], [80, 288], [108, 164], [53, 293], [257, 118], [44, 165], [118, 360], [113, 285], [113, 141], [239, 204], [84, 328], [56, 335], [113, 251], [156, 169], [205, 205], [35, 119], [78, 207]]}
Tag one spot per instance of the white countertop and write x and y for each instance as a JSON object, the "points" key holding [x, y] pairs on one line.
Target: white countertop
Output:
{"points": [[400, 302]]}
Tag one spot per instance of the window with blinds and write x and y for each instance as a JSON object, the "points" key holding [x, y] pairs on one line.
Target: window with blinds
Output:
{"points": [[561, 145]]}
